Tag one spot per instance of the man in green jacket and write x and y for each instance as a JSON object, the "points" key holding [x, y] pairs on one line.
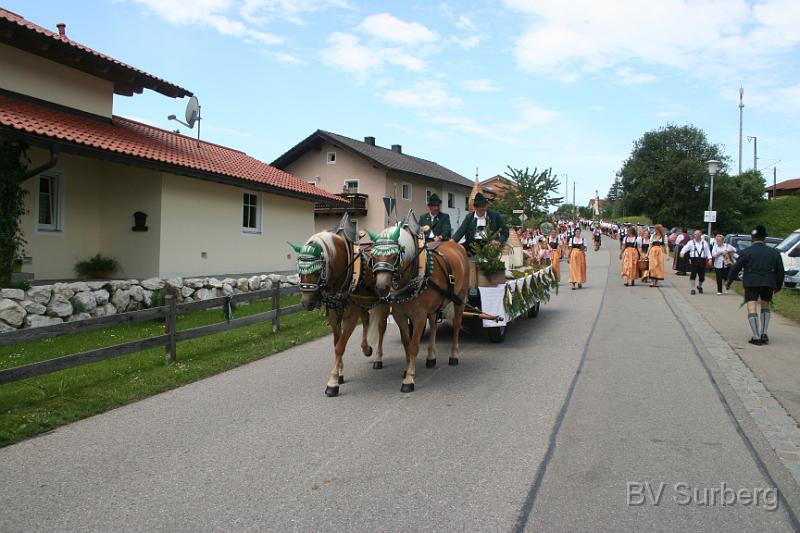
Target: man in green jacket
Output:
{"points": [[763, 276], [481, 223], [438, 222]]}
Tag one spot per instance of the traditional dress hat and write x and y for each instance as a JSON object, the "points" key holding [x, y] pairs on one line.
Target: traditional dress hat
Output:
{"points": [[480, 200], [434, 200], [759, 232]]}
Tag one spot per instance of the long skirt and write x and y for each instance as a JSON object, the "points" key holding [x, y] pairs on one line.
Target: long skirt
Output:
{"points": [[555, 260], [577, 266], [628, 266], [680, 264], [656, 257]]}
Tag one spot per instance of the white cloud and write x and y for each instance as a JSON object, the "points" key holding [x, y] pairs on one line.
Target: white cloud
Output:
{"points": [[467, 43], [710, 38], [424, 95], [626, 76], [386, 27], [346, 53], [535, 115], [264, 11], [464, 23], [480, 86]]}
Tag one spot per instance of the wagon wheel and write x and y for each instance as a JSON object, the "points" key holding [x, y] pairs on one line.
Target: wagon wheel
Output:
{"points": [[497, 335]]}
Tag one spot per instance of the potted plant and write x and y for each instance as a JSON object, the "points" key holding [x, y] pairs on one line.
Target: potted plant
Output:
{"points": [[488, 261], [97, 267]]}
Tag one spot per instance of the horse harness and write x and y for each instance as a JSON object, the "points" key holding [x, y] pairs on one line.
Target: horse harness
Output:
{"points": [[422, 280], [336, 298]]}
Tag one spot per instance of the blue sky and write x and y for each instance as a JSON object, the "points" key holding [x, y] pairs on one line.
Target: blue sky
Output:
{"points": [[537, 83]]}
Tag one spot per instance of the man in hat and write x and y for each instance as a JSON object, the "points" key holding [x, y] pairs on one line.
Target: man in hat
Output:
{"points": [[438, 222], [763, 276], [480, 224]]}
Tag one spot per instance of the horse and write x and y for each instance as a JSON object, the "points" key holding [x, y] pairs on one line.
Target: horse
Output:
{"points": [[419, 281], [332, 273]]}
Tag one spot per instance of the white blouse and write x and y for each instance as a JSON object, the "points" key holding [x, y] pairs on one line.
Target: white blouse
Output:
{"points": [[718, 253]]}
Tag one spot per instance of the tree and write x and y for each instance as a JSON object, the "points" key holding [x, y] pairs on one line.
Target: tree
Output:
{"points": [[533, 191], [13, 164], [666, 176], [566, 211], [737, 198]]}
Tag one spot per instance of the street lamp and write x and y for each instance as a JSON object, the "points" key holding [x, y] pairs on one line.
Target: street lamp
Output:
{"points": [[713, 168]]}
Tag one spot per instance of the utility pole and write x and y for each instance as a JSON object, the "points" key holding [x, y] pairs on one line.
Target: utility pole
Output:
{"points": [[774, 181], [755, 151], [741, 114], [574, 205]]}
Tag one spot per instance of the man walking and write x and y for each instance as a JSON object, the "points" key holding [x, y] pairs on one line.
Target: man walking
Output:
{"points": [[437, 222], [763, 276], [699, 253]]}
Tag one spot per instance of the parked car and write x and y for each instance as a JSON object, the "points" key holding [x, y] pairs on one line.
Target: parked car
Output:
{"points": [[790, 253], [741, 241]]}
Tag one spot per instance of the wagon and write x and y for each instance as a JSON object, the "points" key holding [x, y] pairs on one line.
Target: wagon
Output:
{"points": [[494, 306]]}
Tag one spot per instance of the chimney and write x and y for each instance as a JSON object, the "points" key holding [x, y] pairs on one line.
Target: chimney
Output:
{"points": [[370, 140], [62, 29], [397, 148]]}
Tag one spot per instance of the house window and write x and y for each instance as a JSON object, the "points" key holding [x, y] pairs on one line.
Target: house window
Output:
{"points": [[331, 158], [428, 193], [451, 200], [50, 202], [350, 186], [406, 192], [251, 219]]}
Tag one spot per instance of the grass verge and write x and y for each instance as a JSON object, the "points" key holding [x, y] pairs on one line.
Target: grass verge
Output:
{"points": [[35, 405], [786, 302], [635, 220]]}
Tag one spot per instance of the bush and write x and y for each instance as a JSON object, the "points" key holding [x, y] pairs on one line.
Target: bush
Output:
{"points": [[780, 216], [98, 266]]}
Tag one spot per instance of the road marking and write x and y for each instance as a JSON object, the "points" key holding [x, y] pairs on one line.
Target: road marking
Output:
{"points": [[541, 470]]}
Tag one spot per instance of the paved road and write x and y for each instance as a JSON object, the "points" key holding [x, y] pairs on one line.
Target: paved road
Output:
{"points": [[542, 433]]}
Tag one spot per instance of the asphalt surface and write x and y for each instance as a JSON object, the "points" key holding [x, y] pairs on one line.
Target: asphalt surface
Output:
{"points": [[541, 433]]}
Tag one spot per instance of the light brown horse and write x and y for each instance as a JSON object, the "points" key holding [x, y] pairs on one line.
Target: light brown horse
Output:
{"points": [[420, 281], [332, 273]]}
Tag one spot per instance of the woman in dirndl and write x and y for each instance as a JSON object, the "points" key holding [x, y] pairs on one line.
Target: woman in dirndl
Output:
{"points": [[644, 248], [657, 254], [555, 253], [629, 258], [577, 260]]}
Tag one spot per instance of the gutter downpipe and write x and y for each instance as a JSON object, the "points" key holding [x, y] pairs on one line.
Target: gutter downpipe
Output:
{"points": [[55, 152]]}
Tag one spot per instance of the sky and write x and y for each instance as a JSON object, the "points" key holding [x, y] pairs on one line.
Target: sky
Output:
{"points": [[478, 85]]}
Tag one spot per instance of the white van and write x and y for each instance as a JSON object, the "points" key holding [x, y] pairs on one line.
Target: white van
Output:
{"points": [[790, 253]]}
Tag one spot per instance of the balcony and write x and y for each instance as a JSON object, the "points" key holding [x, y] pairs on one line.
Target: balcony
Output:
{"points": [[358, 205]]}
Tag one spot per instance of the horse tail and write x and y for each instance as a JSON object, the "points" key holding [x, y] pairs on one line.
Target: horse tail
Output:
{"points": [[373, 332]]}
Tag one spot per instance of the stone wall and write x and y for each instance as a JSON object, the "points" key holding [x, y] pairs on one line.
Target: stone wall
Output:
{"points": [[43, 305]]}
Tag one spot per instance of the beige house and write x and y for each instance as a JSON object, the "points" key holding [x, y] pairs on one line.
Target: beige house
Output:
{"points": [[95, 176], [367, 174]]}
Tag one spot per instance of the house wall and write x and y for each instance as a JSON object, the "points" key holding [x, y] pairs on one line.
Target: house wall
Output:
{"points": [[313, 166], [97, 214], [201, 216], [29, 74], [459, 211]]}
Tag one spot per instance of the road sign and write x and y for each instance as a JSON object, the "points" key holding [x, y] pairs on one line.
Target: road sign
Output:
{"points": [[518, 211], [709, 216]]}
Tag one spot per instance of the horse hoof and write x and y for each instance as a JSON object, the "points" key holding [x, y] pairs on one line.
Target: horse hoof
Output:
{"points": [[407, 387], [330, 392], [377, 365], [453, 361], [368, 351], [430, 363], [341, 380]]}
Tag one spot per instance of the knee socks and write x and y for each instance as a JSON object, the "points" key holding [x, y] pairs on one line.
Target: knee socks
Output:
{"points": [[752, 318], [765, 315]]}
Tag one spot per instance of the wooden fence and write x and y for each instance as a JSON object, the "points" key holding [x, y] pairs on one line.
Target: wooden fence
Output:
{"points": [[169, 312]]}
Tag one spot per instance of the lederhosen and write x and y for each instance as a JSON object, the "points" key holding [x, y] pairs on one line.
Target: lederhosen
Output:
{"points": [[697, 264]]}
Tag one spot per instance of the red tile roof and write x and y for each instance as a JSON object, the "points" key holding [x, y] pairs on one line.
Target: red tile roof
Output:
{"points": [[129, 138], [28, 36], [786, 184]]}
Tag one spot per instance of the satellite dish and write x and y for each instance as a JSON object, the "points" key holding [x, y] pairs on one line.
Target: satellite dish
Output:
{"points": [[192, 111]]}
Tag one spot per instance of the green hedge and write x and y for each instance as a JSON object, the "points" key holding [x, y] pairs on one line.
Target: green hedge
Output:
{"points": [[780, 216]]}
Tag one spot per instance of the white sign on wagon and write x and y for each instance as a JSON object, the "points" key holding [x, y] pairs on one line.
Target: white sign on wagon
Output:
{"points": [[709, 216]]}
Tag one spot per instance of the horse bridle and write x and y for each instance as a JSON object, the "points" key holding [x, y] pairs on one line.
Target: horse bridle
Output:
{"points": [[322, 282]]}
